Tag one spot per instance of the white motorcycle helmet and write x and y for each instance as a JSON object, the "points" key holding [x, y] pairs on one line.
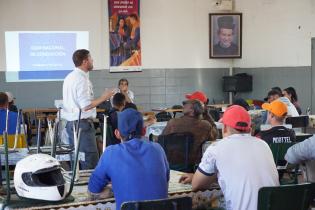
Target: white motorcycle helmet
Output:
{"points": [[39, 177]]}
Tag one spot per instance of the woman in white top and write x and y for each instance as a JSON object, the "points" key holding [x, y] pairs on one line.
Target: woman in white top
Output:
{"points": [[123, 88]]}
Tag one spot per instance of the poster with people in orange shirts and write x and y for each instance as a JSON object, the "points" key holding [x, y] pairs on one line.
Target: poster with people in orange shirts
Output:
{"points": [[124, 35]]}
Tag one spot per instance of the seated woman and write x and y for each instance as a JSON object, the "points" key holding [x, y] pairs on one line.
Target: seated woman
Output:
{"points": [[290, 93]]}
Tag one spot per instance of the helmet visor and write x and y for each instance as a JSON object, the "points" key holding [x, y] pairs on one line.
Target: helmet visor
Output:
{"points": [[44, 178]]}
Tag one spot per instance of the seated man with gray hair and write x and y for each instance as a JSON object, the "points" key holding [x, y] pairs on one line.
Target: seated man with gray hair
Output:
{"points": [[193, 123]]}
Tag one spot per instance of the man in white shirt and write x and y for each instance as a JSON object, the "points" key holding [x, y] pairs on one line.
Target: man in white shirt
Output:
{"points": [[292, 111], [243, 164], [78, 94]]}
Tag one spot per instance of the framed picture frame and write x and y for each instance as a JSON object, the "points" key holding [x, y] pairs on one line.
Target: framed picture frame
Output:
{"points": [[225, 35]]}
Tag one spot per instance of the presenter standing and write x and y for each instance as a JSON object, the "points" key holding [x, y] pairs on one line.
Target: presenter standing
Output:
{"points": [[78, 95]]}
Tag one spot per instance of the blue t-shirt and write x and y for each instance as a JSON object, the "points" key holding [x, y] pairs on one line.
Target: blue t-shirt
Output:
{"points": [[11, 121], [138, 170]]}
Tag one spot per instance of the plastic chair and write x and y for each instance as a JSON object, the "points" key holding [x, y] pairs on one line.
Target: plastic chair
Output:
{"points": [[298, 122], [278, 151], [286, 197], [21, 143], [180, 203], [177, 147]]}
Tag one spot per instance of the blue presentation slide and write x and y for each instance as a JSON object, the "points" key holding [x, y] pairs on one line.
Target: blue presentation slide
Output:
{"points": [[41, 56]]}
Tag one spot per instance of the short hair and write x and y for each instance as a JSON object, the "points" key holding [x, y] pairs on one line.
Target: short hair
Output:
{"points": [[241, 102], [236, 131], [79, 56], [119, 99], [3, 99], [123, 80], [131, 105], [279, 119], [274, 92], [277, 89]]}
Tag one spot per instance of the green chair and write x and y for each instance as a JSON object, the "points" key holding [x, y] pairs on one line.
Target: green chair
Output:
{"points": [[179, 203], [286, 197], [278, 151]]}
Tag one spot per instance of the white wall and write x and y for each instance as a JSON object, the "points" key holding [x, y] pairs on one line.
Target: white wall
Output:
{"points": [[175, 32], [57, 15]]}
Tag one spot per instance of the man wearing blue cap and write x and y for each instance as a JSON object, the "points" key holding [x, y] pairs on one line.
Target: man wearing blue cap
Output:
{"points": [[138, 169]]}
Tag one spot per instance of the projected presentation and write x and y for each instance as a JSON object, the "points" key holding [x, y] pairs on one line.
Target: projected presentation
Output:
{"points": [[41, 55]]}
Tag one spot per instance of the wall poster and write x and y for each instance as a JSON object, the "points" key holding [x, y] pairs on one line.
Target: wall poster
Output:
{"points": [[124, 35]]}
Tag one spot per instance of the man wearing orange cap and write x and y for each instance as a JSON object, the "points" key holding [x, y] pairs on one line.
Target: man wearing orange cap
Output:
{"points": [[243, 164], [277, 112]]}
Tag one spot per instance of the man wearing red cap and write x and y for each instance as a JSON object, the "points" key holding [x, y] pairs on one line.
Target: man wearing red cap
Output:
{"points": [[191, 122], [201, 96], [242, 163]]}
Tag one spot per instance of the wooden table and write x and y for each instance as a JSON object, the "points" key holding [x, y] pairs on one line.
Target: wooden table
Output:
{"points": [[217, 106], [48, 110], [207, 198], [166, 110]]}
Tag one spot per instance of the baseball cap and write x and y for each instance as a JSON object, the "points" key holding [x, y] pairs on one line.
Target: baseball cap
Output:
{"points": [[236, 117], [199, 95], [10, 96], [276, 107], [130, 123]]}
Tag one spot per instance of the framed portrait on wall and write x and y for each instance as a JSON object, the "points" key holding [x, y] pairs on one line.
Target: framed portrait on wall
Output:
{"points": [[225, 35]]}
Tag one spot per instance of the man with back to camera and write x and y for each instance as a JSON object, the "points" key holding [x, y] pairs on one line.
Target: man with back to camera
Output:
{"points": [[193, 123], [78, 94], [137, 168], [201, 96], [225, 46], [243, 164], [277, 112], [119, 102], [278, 133]]}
